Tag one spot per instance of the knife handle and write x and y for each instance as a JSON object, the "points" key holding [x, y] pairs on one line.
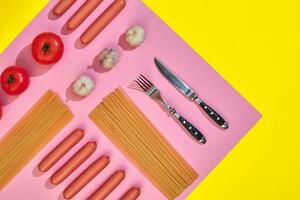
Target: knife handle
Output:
{"points": [[194, 132], [212, 114]]}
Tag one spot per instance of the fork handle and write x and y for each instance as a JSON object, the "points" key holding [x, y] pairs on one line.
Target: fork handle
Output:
{"points": [[194, 132]]}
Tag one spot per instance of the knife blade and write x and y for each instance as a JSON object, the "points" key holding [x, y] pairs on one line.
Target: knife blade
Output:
{"points": [[189, 93], [175, 80]]}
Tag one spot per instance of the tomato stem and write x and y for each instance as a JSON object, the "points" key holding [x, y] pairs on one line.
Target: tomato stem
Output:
{"points": [[46, 47], [11, 79]]}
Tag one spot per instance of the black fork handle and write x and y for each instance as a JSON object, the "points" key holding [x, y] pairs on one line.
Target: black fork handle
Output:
{"points": [[194, 132]]}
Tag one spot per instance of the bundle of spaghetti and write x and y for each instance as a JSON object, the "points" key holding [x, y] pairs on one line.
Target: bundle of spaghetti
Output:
{"points": [[142, 143], [31, 133]]}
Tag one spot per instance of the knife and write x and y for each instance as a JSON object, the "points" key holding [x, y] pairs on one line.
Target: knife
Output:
{"points": [[190, 93]]}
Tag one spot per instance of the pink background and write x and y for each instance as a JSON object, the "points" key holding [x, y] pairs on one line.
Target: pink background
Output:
{"points": [[161, 42]]}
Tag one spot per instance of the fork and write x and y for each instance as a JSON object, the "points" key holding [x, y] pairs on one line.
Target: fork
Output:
{"points": [[153, 92]]}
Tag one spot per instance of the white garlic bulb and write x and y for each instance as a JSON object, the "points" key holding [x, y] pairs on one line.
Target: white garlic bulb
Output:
{"points": [[83, 86], [135, 36], [108, 58]]}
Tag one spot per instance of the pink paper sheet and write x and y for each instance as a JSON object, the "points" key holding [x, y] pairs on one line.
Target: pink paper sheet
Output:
{"points": [[162, 42]]}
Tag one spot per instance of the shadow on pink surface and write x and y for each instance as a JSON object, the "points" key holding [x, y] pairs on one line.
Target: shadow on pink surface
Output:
{"points": [[25, 59]]}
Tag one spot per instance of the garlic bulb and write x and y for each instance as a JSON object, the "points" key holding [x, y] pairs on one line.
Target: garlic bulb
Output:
{"points": [[108, 58], [83, 86], [135, 36]]}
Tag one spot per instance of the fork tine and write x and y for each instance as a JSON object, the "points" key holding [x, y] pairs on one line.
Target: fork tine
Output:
{"points": [[146, 80], [135, 86], [144, 88], [142, 82]]}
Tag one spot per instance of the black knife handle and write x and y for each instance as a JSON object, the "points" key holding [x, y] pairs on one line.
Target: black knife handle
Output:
{"points": [[212, 114], [192, 130]]}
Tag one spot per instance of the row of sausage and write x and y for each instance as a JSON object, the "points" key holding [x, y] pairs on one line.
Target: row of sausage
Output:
{"points": [[88, 174], [84, 11]]}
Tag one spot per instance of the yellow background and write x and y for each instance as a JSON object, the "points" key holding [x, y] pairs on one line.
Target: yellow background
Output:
{"points": [[254, 44]]}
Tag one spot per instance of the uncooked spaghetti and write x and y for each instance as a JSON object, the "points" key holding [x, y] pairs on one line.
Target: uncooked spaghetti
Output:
{"points": [[132, 132], [41, 123]]}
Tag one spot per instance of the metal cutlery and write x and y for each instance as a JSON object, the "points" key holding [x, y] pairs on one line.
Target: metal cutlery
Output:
{"points": [[153, 92], [190, 93]]}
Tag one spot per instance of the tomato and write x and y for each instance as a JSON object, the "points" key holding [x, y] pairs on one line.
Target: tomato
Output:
{"points": [[47, 48], [14, 80]]}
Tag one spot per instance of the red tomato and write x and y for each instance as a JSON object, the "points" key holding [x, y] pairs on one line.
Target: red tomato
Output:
{"points": [[14, 80], [47, 48]]}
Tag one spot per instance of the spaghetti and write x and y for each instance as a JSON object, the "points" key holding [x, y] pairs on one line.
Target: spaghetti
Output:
{"points": [[133, 133], [41, 123]]}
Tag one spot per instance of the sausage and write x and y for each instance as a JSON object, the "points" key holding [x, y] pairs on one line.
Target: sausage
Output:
{"points": [[82, 13], [62, 6], [131, 194], [102, 21], [71, 165], [60, 150], [108, 186], [85, 177]]}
